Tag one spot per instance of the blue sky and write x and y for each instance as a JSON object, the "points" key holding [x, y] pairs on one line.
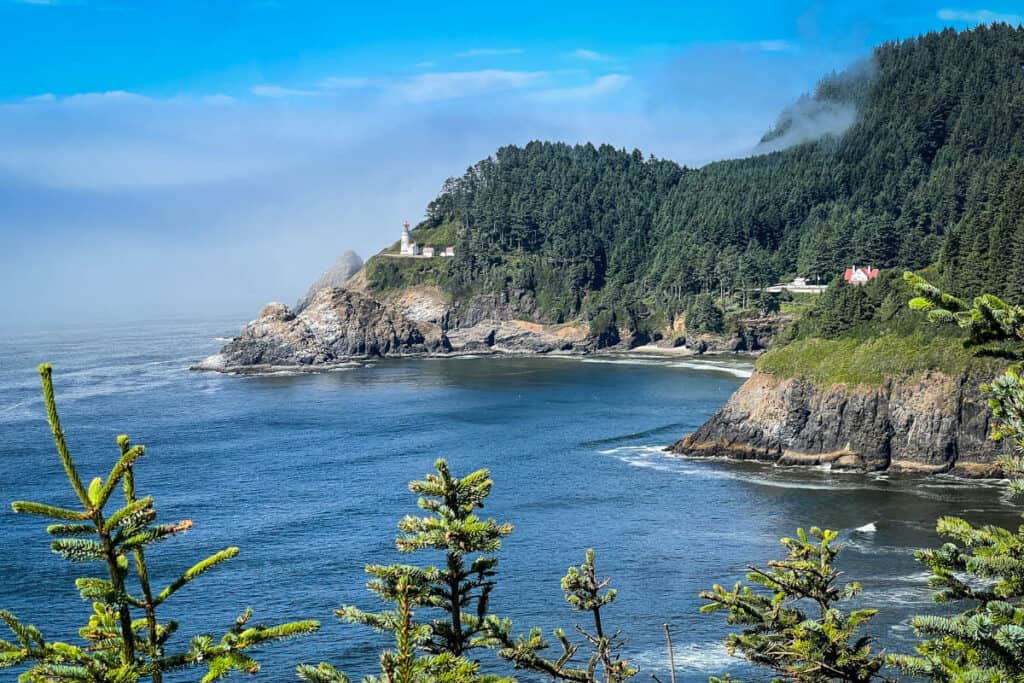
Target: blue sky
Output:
{"points": [[217, 155]]}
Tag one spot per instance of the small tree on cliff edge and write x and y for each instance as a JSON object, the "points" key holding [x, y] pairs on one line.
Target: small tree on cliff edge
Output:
{"points": [[982, 566], [460, 590], [125, 640]]}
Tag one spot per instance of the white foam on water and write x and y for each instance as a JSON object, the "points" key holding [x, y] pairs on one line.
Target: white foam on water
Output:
{"points": [[647, 457], [916, 577], [711, 366], [902, 595], [626, 361], [868, 528], [708, 657], [88, 383], [655, 457], [648, 450]]}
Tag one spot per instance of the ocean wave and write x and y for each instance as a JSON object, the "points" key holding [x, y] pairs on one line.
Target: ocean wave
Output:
{"points": [[633, 436], [627, 361], [711, 366], [75, 385], [868, 528], [708, 657], [655, 457], [734, 369]]}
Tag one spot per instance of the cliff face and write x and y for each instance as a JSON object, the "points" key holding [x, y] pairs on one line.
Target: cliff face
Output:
{"points": [[930, 424], [338, 325], [335, 326]]}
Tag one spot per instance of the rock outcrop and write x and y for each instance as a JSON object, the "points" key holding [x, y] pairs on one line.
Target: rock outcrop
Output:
{"points": [[752, 335], [339, 325], [932, 423]]}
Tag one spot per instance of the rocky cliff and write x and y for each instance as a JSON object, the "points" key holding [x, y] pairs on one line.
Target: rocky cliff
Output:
{"points": [[343, 318], [930, 423], [338, 325]]}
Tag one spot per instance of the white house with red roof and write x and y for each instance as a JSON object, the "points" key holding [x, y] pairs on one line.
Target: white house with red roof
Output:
{"points": [[860, 276]]}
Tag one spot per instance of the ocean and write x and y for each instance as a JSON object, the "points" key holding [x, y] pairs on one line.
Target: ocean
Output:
{"points": [[308, 474]]}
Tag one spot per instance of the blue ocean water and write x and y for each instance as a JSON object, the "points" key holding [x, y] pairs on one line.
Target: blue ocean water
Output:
{"points": [[308, 475]]}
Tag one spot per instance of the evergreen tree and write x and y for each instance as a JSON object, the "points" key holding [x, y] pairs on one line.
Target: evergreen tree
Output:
{"points": [[981, 566], [460, 590], [809, 648], [403, 664], [999, 326], [583, 592], [125, 640], [704, 315], [840, 307]]}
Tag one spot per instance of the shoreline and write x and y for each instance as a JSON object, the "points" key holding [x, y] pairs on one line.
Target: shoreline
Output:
{"points": [[901, 472], [217, 364]]}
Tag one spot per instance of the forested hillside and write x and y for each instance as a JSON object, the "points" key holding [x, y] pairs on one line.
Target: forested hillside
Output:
{"points": [[932, 169]]}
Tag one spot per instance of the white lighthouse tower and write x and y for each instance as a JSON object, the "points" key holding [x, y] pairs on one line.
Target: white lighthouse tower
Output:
{"points": [[408, 248]]}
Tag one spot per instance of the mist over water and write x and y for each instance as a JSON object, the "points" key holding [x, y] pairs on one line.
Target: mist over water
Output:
{"points": [[308, 474]]}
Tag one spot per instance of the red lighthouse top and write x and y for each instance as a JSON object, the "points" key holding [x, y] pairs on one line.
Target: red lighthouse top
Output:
{"points": [[405, 224]]}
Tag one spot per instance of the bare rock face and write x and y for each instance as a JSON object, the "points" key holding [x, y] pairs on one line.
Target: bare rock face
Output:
{"points": [[931, 424], [336, 326], [339, 325]]}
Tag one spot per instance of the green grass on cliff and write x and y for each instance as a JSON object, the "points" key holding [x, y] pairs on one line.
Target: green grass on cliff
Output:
{"points": [[384, 273], [871, 361]]}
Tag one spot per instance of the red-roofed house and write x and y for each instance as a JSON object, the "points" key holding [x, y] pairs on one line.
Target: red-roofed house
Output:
{"points": [[860, 276]]}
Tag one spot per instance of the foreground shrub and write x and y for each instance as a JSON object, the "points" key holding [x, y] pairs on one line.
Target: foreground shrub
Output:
{"points": [[125, 641], [824, 645]]}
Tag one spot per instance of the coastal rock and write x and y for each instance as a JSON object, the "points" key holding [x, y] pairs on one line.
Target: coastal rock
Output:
{"points": [[750, 335], [932, 423], [520, 337], [339, 325], [336, 326]]}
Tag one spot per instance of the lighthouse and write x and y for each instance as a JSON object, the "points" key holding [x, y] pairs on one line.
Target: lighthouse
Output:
{"points": [[408, 248]]}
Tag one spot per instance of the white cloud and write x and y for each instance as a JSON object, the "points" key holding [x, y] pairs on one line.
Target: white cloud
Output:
{"points": [[774, 46], [278, 91], [489, 52], [346, 83], [979, 16], [218, 99], [590, 55], [599, 87], [425, 87], [444, 85]]}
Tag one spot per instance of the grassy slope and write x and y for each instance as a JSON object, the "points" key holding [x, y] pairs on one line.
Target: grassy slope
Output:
{"points": [[891, 342], [872, 361]]}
